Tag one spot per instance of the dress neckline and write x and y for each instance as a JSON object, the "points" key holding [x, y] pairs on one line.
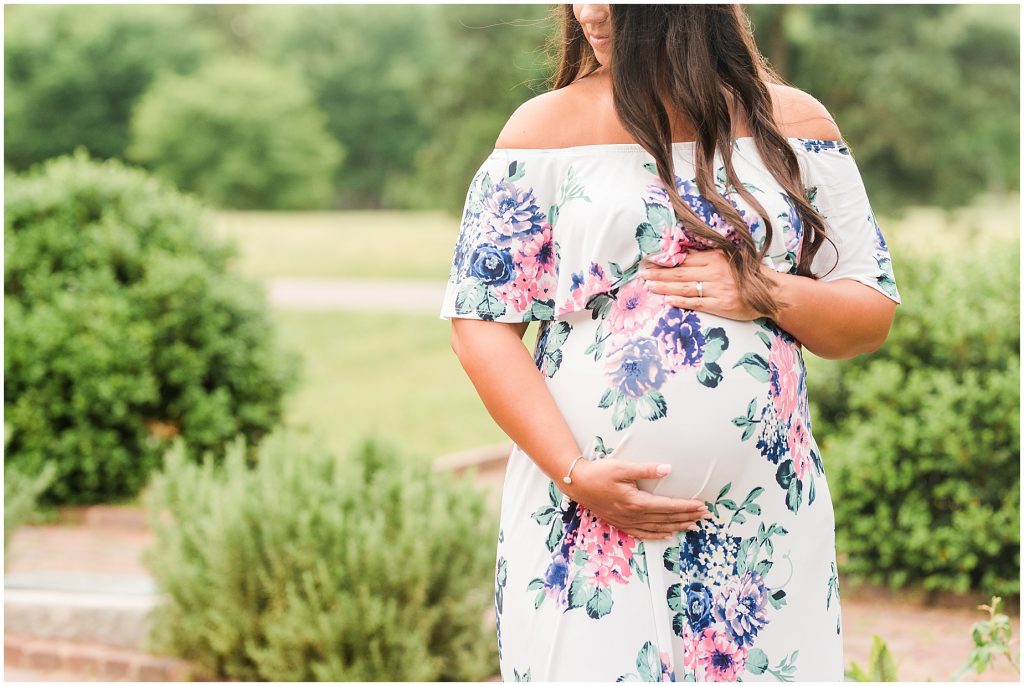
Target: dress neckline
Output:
{"points": [[636, 147]]}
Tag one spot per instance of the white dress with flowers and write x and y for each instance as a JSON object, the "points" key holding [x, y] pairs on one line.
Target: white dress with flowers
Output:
{"points": [[557, 235]]}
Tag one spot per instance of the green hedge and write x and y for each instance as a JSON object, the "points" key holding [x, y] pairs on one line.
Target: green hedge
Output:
{"points": [[306, 567], [122, 327], [921, 438]]}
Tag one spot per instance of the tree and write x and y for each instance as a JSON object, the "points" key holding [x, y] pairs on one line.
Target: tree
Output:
{"points": [[239, 133]]}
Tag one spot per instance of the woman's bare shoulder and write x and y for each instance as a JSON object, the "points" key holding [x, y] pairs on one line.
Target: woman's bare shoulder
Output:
{"points": [[548, 120], [800, 115]]}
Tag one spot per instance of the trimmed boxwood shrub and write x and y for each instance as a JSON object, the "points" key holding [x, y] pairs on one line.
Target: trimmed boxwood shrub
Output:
{"points": [[123, 328], [308, 567], [921, 438]]}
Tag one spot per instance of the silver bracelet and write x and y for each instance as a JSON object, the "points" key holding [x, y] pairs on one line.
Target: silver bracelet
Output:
{"points": [[568, 475]]}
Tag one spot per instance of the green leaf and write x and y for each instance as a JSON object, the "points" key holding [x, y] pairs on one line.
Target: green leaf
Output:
{"points": [[647, 238], [652, 405], [648, 663], [755, 365], [600, 603], [624, 412], [470, 294], [757, 661], [577, 591], [715, 341], [542, 310], [676, 599], [710, 374]]}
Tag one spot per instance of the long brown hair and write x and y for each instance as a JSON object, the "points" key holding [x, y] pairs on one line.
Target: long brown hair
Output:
{"points": [[697, 56]]}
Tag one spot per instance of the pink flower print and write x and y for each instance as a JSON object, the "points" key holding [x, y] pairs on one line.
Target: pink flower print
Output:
{"points": [[585, 284], [784, 376], [634, 307], [608, 550], [719, 656], [519, 293], [689, 650], [799, 447], [537, 254]]}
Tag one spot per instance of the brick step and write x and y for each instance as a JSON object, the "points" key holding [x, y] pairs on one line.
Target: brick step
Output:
{"points": [[27, 658]]}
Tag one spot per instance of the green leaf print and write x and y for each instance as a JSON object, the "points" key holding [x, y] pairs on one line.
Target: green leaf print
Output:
{"points": [[607, 398], [715, 341], [648, 238], [793, 495], [522, 677], [638, 562], [648, 663], [600, 603], [755, 365], [490, 307], [675, 599], [577, 591], [624, 412], [748, 422], [515, 171], [553, 215], [777, 598], [784, 671], [541, 310], [660, 217], [469, 296], [571, 188], [710, 374], [757, 661], [652, 405]]}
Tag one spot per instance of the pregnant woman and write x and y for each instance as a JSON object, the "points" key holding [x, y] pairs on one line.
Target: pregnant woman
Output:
{"points": [[682, 225]]}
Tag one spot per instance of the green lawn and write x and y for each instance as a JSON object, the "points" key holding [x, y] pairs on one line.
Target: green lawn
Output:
{"points": [[391, 373], [358, 244]]}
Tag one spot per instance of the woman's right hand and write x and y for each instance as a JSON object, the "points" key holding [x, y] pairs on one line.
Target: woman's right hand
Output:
{"points": [[607, 487]]}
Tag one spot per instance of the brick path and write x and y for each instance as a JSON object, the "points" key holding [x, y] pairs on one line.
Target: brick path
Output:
{"points": [[926, 642]]}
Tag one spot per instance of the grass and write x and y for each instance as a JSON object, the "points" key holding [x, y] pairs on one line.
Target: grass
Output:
{"points": [[357, 244], [391, 373]]}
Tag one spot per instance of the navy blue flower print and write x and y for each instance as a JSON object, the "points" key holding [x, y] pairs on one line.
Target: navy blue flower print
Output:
{"points": [[491, 264]]}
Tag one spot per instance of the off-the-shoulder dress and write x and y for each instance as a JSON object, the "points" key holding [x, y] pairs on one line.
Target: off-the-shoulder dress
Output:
{"points": [[557, 235]]}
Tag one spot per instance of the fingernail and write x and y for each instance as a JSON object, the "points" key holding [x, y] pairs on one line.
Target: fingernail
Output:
{"points": [[693, 527], [664, 469]]}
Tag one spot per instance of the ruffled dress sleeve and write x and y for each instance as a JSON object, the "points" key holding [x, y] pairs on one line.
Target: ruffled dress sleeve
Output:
{"points": [[505, 263], [833, 184]]}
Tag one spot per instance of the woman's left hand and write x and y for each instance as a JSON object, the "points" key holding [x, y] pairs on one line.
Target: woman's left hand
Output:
{"points": [[679, 284]]}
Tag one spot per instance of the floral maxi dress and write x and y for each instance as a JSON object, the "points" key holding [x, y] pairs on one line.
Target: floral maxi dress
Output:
{"points": [[557, 236]]}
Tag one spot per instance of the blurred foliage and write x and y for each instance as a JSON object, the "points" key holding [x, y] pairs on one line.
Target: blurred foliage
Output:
{"points": [[241, 134], [21, 496], [926, 95], [922, 437], [365, 65], [72, 73], [308, 566], [122, 328]]}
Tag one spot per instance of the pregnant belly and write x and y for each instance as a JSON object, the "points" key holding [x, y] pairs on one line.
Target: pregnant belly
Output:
{"points": [[713, 397]]}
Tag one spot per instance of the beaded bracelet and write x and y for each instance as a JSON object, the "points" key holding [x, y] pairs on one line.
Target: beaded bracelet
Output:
{"points": [[568, 476]]}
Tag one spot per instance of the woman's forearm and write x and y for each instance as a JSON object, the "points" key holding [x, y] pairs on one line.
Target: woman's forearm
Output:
{"points": [[514, 392], [833, 319]]}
